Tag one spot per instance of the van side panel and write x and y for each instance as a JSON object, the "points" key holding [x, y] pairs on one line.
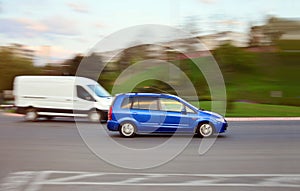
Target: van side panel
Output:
{"points": [[44, 93]]}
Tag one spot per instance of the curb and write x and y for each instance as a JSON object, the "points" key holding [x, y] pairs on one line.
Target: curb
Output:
{"points": [[229, 119], [12, 114], [262, 118]]}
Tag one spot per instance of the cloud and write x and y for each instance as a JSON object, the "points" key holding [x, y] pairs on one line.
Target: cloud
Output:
{"points": [[79, 7], [50, 54], [207, 1], [231, 22], [13, 28], [100, 24], [61, 26], [25, 27], [44, 51], [32, 25]]}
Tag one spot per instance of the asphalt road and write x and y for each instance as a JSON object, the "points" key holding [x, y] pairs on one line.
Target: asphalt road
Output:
{"points": [[51, 155]]}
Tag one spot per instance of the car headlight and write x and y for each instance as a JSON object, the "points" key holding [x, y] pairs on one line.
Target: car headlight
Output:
{"points": [[222, 120]]}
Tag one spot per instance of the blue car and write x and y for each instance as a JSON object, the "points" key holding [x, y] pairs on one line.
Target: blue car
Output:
{"points": [[134, 113]]}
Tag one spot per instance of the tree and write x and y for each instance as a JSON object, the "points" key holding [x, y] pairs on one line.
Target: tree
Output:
{"points": [[11, 66], [71, 65], [233, 59]]}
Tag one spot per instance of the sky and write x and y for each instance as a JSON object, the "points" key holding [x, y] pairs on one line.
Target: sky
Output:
{"points": [[59, 29]]}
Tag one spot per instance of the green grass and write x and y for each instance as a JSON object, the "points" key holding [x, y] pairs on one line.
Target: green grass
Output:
{"points": [[240, 109], [253, 80], [289, 44], [271, 72]]}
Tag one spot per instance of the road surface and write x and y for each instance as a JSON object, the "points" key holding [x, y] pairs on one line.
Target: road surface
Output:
{"points": [[51, 155]]}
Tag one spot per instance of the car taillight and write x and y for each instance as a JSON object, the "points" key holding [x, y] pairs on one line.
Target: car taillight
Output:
{"points": [[110, 113]]}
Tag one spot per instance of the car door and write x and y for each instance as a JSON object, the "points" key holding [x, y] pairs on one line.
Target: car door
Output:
{"points": [[146, 112], [174, 116]]}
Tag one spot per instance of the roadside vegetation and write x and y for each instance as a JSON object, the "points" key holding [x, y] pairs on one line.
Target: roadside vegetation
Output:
{"points": [[243, 109], [257, 83]]}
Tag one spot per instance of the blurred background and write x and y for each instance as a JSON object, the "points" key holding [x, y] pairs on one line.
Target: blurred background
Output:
{"points": [[256, 44]]}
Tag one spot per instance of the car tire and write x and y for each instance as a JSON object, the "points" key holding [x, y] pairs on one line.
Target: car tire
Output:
{"points": [[31, 114], [205, 129], [127, 129]]}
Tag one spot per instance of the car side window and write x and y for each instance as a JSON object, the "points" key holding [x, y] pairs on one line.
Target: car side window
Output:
{"points": [[171, 105], [127, 103], [83, 94], [135, 103], [145, 103], [189, 110]]}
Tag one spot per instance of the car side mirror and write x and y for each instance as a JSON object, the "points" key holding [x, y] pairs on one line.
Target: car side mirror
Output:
{"points": [[183, 111]]}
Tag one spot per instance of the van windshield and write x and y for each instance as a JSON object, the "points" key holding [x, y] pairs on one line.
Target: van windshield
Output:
{"points": [[99, 91]]}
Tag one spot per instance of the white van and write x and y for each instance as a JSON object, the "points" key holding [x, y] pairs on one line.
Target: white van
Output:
{"points": [[69, 96]]}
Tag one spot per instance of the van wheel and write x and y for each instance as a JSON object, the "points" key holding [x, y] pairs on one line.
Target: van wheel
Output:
{"points": [[31, 114], [49, 118], [205, 130], [127, 129], [94, 116]]}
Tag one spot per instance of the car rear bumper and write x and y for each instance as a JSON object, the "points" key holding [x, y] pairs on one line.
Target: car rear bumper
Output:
{"points": [[112, 125]]}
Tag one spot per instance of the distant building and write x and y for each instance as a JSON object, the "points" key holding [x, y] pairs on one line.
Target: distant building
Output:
{"points": [[213, 41], [20, 50], [198, 46], [275, 29], [110, 56]]}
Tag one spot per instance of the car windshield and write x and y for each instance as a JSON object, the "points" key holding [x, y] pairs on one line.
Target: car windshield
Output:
{"points": [[188, 104], [99, 91]]}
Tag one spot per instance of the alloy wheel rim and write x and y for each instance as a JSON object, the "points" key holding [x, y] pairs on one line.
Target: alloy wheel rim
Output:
{"points": [[127, 129], [206, 129]]}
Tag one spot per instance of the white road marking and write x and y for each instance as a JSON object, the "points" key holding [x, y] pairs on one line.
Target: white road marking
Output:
{"points": [[16, 181], [35, 186], [76, 177], [139, 179], [35, 180]]}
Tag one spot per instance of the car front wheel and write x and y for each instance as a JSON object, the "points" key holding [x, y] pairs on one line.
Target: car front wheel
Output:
{"points": [[31, 114], [205, 130], [127, 129]]}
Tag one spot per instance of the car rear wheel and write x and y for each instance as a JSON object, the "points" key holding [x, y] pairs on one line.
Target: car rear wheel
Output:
{"points": [[127, 129], [205, 130], [31, 114]]}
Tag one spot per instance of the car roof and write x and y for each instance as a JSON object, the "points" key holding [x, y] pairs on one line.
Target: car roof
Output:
{"points": [[150, 95]]}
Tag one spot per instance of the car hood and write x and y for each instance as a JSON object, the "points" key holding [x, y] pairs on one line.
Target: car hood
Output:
{"points": [[210, 113]]}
